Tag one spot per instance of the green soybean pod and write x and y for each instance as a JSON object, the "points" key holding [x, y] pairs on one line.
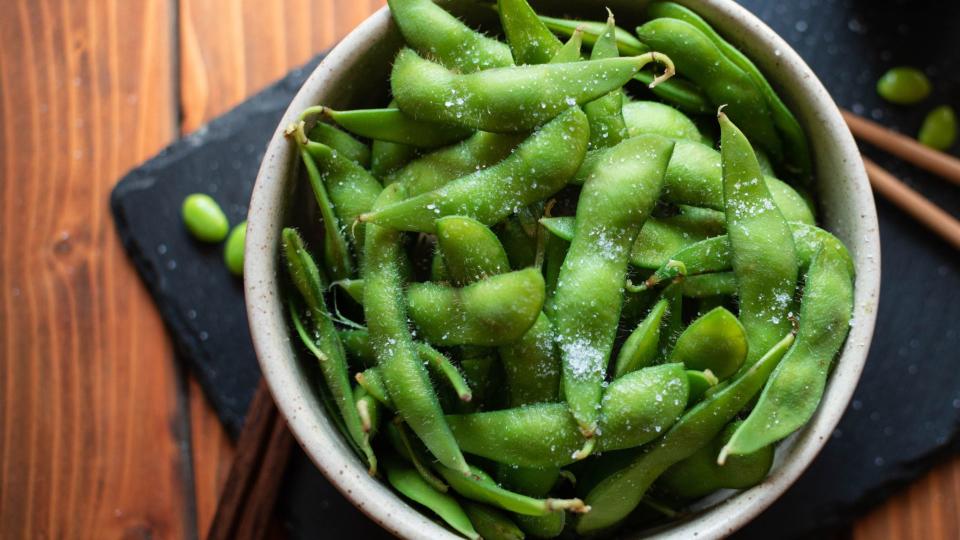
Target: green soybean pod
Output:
{"points": [[678, 92], [412, 486], [570, 51], [796, 387], [763, 255], [699, 474], [722, 80], [491, 194], [904, 85], [341, 141], [716, 284], [352, 190], [470, 250], [546, 434], [640, 348], [613, 498], [509, 99], [616, 199], [534, 482], [628, 44], [492, 524], [394, 125], [336, 249], [369, 410], [440, 167], [204, 218], [479, 486], [605, 114], [404, 374], [233, 251], [433, 31], [700, 383], [530, 40], [939, 128], [659, 119], [494, 311], [387, 157], [796, 147], [326, 346], [372, 383], [716, 341]]}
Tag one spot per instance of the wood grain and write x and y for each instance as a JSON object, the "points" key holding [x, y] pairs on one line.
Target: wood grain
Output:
{"points": [[230, 49], [92, 425]]}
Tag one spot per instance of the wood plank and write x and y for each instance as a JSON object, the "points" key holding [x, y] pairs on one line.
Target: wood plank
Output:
{"points": [[92, 414], [229, 50], [929, 508]]}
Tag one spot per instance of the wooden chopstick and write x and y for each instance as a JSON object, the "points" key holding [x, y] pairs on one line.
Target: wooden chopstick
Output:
{"points": [[250, 492], [904, 147], [913, 203]]}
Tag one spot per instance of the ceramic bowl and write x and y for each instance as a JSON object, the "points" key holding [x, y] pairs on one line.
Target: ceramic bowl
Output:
{"points": [[354, 75]]}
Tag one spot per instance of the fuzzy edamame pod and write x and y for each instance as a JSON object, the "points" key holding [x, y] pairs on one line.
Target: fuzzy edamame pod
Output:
{"points": [[538, 168], [325, 345], [605, 114], [341, 141], [494, 311], [531, 363], [700, 383], [534, 482], [432, 31], [507, 99], [438, 168], [796, 149], [722, 81], [762, 251], [412, 486], [547, 435], [403, 373], [628, 44], [479, 486], [710, 285], [529, 38], [570, 51], [393, 125], [372, 382], [492, 524], [336, 250], [659, 119], [716, 341], [699, 474], [678, 92], [640, 348], [796, 387], [615, 201], [614, 497]]}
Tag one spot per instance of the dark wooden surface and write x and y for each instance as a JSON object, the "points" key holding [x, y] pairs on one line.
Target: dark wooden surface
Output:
{"points": [[101, 434]]}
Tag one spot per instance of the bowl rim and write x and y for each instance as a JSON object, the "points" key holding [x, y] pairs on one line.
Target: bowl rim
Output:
{"points": [[722, 514]]}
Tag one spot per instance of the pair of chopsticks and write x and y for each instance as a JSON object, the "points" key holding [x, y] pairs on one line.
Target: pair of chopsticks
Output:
{"points": [[250, 492], [895, 191]]}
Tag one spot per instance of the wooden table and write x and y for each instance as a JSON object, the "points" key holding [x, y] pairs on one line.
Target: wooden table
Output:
{"points": [[103, 435]]}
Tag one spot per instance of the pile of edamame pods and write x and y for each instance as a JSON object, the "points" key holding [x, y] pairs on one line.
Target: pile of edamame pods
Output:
{"points": [[539, 298]]}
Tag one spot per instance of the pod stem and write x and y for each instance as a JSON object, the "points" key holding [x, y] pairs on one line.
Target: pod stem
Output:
{"points": [[669, 69]]}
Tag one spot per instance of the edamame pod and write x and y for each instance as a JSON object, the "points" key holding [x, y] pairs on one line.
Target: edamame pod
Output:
{"points": [[495, 311], [796, 149], [538, 168], [341, 141], [507, 99], [393, 125], [762, 251], [492, 524], [640, 348], [440, 167], [678, 92], [722, 81], [614, 203], [607, 126], [795, 388], [570, 52], [336, 251], [699, 474], [404, 374], [470, 250], [648, 400], [409, 483], [716, 341], [710, 285], [592, 30], [325, 345], [530, 40], [479, 486], [700, 383], [372, 382], [431, 30], [613, 498], [659, 119]]}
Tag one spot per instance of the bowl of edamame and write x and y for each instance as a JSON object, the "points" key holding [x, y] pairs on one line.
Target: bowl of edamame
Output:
{"points": [[523, 270]]}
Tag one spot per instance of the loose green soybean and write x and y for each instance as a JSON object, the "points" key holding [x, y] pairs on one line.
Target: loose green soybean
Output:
{"points": [[939, 129], [904, 86], [233, 251], [616, 200], [507, 99], [204, 218]]}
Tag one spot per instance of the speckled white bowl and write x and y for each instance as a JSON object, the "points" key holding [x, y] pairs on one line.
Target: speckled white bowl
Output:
{"points": [[354, 75]]}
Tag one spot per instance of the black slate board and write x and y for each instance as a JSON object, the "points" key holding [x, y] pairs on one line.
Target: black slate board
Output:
{"points": [[904, 414]]}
